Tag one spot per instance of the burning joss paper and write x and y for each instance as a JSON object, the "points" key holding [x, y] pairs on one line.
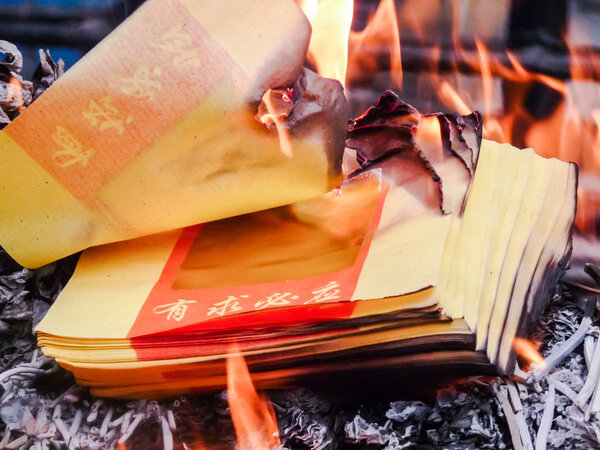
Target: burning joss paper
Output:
{"points": [[378, 271], [188, 112]]}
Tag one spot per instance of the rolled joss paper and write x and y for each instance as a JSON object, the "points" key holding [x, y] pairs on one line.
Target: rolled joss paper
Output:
{"points": [[188, 112]]}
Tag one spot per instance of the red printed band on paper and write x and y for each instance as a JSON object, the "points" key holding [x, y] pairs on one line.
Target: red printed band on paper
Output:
{"points": [[316, 298], [121, 97]]}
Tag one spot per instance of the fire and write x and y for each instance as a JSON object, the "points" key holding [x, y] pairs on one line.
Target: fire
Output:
{"points": [[492, 128], [568, 129], [328, 49], [570, 133], [520, 74], [278, 106], [451, 98], [528, 351], [253, 419], [486, 75], [310, 9], [338, 52], [382, 32]]}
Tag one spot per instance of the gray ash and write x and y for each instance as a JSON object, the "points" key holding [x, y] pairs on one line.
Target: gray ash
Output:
{"points": [[17, 93]]}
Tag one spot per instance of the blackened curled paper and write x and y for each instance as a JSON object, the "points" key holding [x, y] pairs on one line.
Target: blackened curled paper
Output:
{"points": [[313, 106], [46, 73], [388, 134]]}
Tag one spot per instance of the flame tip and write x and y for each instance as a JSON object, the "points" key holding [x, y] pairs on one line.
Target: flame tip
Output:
{"points": [[253, 417], [529, 351]]}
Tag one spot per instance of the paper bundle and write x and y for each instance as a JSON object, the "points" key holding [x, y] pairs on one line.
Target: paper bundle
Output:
{"points": [[435, 252], [190, 111]]}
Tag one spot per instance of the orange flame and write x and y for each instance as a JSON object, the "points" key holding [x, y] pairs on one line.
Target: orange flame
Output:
{"points": [[253, 419], [520, 74], [528, 351], [486, 75], [310, 8], [491, 127], [276, 116], [328, 49], [452, 99], [571, 132], [337, 52], [381, 32]]}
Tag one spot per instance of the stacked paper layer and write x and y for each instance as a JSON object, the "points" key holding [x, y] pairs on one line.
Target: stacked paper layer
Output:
{"points": [[366, 277]]}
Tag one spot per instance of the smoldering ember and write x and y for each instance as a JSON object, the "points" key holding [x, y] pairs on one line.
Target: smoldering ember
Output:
{"points": [[199, 252]]}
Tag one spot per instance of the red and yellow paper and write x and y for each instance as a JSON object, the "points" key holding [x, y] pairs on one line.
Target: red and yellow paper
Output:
{"points": [[156, 291], [153, 130]]}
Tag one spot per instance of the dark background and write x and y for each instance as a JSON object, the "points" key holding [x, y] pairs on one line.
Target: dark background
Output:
{"points": [[68, 28]]}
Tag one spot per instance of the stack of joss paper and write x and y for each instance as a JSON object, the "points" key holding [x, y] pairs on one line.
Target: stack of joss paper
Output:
{"points": [[434, 249]]}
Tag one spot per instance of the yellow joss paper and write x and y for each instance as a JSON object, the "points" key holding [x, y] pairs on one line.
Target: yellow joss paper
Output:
{"points": [[271, 267], [344, 272], [161, 126]]}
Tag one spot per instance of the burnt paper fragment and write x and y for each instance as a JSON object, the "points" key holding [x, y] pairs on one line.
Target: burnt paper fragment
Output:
{"points": [[446, 144], [412, 172], [435, 139], [4, 119], [383, 138], [392, 128], [465, 136], [320, 104], [16, 94], [46, 73], [386, 127], [456, 143], [10, 57], [313, 106]]}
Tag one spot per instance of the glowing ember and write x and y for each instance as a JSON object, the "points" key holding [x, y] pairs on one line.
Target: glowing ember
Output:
{"points": [[528, 351], [253, 419]]}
